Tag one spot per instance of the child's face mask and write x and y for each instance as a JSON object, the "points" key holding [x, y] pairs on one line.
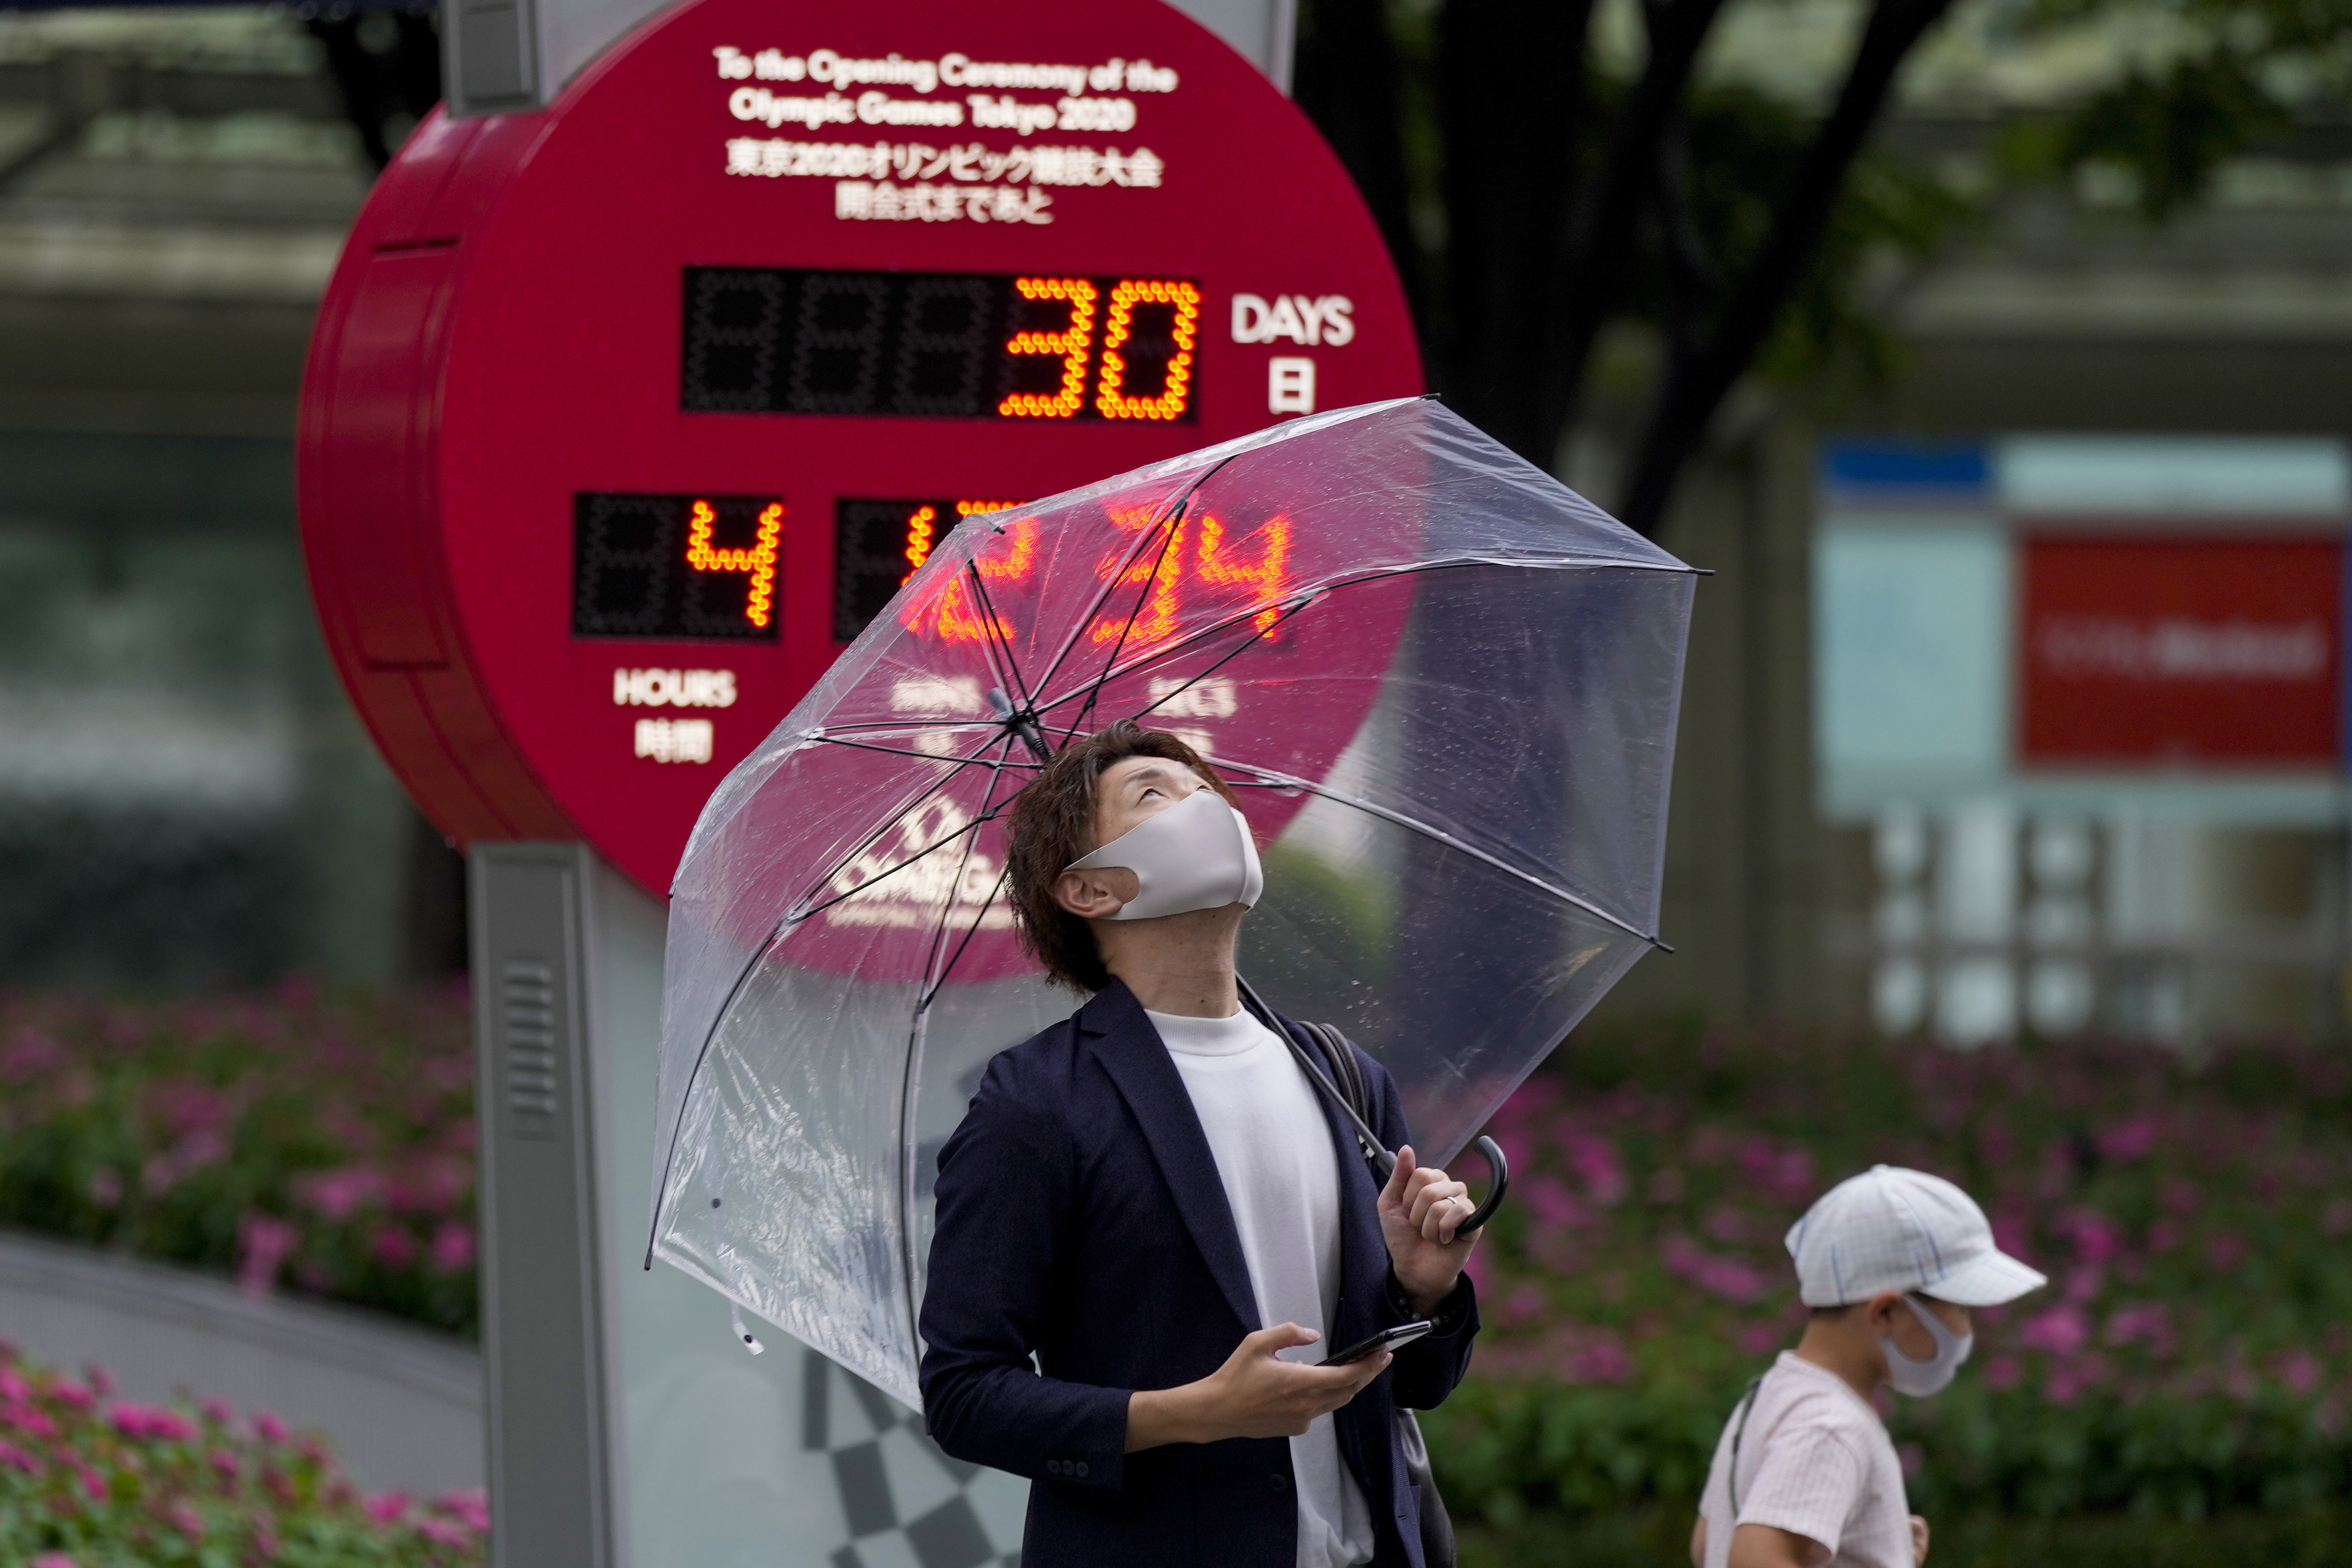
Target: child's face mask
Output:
{"points": [[1195, 854], [1918, 1379]]}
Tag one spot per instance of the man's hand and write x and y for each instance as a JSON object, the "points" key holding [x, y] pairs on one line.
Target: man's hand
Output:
{"points": [[1255, 1395], [1419, 1209], [1918, 1541]]}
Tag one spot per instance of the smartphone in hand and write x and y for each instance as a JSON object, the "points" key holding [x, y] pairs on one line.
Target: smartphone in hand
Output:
{"points": [[1387, 1338]]}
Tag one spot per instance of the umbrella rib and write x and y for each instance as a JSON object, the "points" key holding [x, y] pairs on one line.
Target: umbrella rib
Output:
{"points": [[992, 635], [1288, 607], [1553, 563], [1174, 524], [930, 849], [987, 643], [1306, 597], [947, 907], [1111, 584], [868, 842], [878, 726], [910, 1080], [1413, 824], [686, 1095], [718, 1019], [960, 762], [1244, 646], [970, 932]]}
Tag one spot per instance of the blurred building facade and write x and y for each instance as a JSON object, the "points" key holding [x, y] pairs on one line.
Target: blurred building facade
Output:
{"points": [[186, 799], [2087, 413]]}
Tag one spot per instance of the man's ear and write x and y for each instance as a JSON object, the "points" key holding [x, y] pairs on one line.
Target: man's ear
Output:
{"points": [[1881, 1311], [1097, 893]]}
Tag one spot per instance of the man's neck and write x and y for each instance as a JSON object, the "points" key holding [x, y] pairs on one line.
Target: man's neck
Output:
{"points": [[1181, 964]]}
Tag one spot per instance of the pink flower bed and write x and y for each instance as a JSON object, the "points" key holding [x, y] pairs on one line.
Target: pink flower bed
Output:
{"points": [[87, 1481], [2189, 1218], [296, 1142], [2192, 1353]]}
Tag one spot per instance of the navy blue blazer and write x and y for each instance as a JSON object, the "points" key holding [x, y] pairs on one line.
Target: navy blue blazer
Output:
{"points": [[1081, 1220]]}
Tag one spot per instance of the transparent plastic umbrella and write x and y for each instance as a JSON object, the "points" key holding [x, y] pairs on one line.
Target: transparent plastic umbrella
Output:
{"points": [[1443, 685]]}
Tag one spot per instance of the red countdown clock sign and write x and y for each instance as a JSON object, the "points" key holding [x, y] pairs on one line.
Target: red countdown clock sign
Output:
{"points": [[623, 417]]}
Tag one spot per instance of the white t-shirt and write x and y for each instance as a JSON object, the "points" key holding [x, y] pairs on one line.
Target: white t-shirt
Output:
{"points": [[1814, 1460], [1274, 1155]]}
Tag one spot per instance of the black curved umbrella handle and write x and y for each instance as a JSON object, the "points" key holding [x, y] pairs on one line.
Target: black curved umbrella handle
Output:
{"points": [[1498, 1175]]}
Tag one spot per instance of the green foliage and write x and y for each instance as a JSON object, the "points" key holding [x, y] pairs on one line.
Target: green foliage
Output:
{"points": [[89, 1484], [1341, 917], [2213, 79], [1889, 212], [328, 1145], [1743, 150], [2191, 1359]]}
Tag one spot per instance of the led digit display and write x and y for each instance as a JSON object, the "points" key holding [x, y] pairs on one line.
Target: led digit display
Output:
{"points": [[934, 345], [1070, 344], [674, 566], [877, 545], [1129, 302]]}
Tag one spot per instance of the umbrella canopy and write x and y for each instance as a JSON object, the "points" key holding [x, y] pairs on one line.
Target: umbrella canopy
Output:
{"points": [[1443, 685]]}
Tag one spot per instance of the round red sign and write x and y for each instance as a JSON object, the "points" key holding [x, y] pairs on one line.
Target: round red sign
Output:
{"points": [[624, 417]]}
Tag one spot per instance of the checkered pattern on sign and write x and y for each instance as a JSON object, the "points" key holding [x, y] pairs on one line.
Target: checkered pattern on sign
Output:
{"points": [[904, 1503]]}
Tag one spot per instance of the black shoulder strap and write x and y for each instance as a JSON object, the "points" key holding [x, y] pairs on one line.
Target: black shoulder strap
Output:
{"points": [[1739, 1430], [1347, 1077], [1350, 1092]]}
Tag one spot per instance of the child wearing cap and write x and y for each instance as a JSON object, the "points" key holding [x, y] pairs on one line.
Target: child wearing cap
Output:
{"points": [[1805, 1476]]}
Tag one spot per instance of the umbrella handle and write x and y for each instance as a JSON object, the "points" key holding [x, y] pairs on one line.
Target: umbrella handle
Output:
{"points": [[1498, 1172]]}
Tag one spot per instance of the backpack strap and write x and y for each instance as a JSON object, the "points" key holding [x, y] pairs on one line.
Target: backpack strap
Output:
{"points": [[1347, 1077], [1353, 1105], [1739, 1430], [1355, 1102]]}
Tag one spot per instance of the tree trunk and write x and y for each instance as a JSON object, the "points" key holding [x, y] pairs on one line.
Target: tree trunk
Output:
{"points": [[1513, 96], [1347, 76], [1600, 229], [1696, 384]]}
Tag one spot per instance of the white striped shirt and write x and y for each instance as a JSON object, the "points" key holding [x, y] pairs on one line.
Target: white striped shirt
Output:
{"points": [[1815, 1460]]}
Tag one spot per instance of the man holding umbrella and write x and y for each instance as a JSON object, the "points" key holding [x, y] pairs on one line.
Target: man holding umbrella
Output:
{"points": [[1149, 1213]]}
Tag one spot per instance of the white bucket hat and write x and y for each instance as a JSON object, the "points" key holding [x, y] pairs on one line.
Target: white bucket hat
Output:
{"points": [[1895, 1230]]}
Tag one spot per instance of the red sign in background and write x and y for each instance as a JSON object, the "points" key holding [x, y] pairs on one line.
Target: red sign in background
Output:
{"points": [[2172, 651]]}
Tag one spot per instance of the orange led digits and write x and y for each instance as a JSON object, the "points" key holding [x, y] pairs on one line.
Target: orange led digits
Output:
{"points": [[1218, 565], [951, 614], [1020, 553], [1071, 344], [1265, 577], [919, 540], [759, 560], [1155, 617], [1174, 391]]}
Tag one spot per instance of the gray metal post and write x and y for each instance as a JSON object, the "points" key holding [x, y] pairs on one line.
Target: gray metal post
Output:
{"points": [[490, 56], [548, 1355]]}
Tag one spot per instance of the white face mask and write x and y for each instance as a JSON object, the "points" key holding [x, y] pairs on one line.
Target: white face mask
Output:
{"points": [[1195, 854], [1918, 1379]]}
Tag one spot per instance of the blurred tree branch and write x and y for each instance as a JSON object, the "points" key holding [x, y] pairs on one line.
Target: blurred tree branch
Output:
{"points": [[386, 67], [1743, 228], [1698, 377]]}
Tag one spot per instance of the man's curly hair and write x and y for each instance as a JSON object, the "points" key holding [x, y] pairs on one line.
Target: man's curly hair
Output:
{"points": [[1053, 823]]}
